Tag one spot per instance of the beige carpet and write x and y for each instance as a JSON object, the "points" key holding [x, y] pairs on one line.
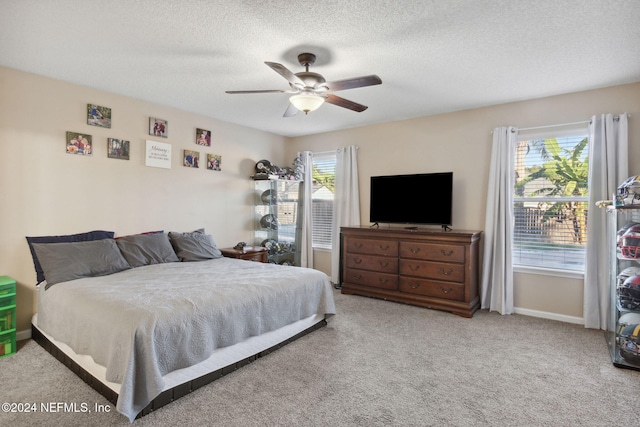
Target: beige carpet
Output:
{"points": [[377, 363]]}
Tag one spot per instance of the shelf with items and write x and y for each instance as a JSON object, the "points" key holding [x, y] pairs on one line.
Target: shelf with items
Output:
{"points": [[623, 327], [7, 316], [277, 225]]}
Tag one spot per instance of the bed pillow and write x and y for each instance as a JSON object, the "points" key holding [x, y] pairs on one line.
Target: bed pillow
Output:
{"points": [[146, 249], [62, 262], [194, 246], [80, 237]]}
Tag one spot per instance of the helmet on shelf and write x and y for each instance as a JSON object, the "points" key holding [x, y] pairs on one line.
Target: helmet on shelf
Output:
{"points": [[263, 166], [626, 273], [267, 197], [624, 321], [271, 245], [629, 242], [629, 293], [269, 221], [623, 230], [628, 319], [628, 193], [630, 343]]}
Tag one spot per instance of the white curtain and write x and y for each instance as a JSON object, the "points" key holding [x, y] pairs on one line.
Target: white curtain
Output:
{"points": [[497, 266], [608, 167], [346, 203], [306, 233]]}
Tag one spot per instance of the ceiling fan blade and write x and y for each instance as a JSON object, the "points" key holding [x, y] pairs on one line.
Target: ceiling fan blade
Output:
{"points": [[284, 72], [291, 111], [353, 83], [260, 91], [345, 103]]}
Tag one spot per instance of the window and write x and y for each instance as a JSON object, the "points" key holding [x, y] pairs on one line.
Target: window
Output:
{"points": [[324, 174], [551, 199]]}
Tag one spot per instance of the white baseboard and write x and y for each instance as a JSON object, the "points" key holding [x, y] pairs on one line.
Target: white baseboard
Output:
{"points": [[548, 315], [23, 335]]}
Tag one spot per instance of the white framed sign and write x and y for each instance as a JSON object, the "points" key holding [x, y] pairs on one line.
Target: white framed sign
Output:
{"points": [[158, 154]]}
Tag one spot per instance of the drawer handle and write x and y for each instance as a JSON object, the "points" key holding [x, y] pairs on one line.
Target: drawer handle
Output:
{"points": [[414, 285], [357, 276], [383, 281], [446, 290], [386, 264], [447, 253], [414, 250], [414, 267], [358, 245], [447, 272], [384, 248], [358, 260]]}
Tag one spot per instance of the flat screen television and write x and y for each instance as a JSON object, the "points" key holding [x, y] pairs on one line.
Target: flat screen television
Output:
{"points": [[412, 199]]}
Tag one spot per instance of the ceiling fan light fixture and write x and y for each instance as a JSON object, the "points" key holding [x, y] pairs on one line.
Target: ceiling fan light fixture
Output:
{"points": [[306, 102]]}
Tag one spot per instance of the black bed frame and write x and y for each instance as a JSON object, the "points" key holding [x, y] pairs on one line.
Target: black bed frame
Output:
{"points": [[166, 396]]}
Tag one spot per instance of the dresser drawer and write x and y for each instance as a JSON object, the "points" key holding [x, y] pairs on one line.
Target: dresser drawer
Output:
{"points": [[372, 246], [432, 252], [432, 288], [432, 270], [371, 279], [372, 263]]}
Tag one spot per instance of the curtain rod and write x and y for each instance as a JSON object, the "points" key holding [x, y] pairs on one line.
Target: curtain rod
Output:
{"points": [[616, 117], [331, 151], [554, 126]]}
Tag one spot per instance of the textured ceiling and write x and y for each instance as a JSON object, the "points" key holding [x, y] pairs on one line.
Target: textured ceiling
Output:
{"points": [[432, 56]]}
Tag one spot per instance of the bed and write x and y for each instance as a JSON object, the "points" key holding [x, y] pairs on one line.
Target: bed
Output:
{"points": [[144, 335]]}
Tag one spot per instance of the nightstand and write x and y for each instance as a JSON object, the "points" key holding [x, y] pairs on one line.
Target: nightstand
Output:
{"points": [[250, 253], [7, 316]]}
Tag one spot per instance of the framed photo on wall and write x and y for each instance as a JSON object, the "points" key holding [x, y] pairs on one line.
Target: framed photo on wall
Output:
{"points": [[214, 162], [158, 127], [79, 143], [98, 116], [117, 149], [191, 159], [203, 137]]}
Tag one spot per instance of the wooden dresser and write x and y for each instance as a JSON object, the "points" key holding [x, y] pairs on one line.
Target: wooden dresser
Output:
{"points": [[424, 267]]}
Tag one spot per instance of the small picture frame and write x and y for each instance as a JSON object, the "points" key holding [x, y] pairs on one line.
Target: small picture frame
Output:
{"points": [[191, 159], [79, 143], [117, 149], [158, 127], [158, 154], [98, 116], [203, 137], [214, 162]]}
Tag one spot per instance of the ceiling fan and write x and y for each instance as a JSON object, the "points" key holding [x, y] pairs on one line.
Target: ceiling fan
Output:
{"points": [[310, 90]]}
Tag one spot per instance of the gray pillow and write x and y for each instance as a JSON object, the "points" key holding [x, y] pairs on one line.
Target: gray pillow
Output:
{"points": [[194, 246], [62, 262], [80, 237], [146, 249]]}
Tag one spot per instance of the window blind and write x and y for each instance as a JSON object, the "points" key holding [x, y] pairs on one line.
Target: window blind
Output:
{"points": [[551, 201], [323, 189]]}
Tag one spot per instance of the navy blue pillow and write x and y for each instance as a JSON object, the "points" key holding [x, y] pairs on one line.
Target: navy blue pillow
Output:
{"points": [[81, 237]]}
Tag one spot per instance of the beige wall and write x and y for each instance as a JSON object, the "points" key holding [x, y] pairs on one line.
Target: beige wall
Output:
{"points": [[461, 142], [46, 191]]}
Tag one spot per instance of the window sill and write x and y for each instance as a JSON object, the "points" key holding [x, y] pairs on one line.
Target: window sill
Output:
{"points": [[569, 274]]}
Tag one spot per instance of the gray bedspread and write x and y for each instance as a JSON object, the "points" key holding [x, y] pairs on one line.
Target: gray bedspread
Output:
{"points": [[148, 321]]}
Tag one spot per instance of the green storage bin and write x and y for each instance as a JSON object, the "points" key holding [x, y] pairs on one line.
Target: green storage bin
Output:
{"points": [[7, 345], [8, 319], [7, 316]]}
